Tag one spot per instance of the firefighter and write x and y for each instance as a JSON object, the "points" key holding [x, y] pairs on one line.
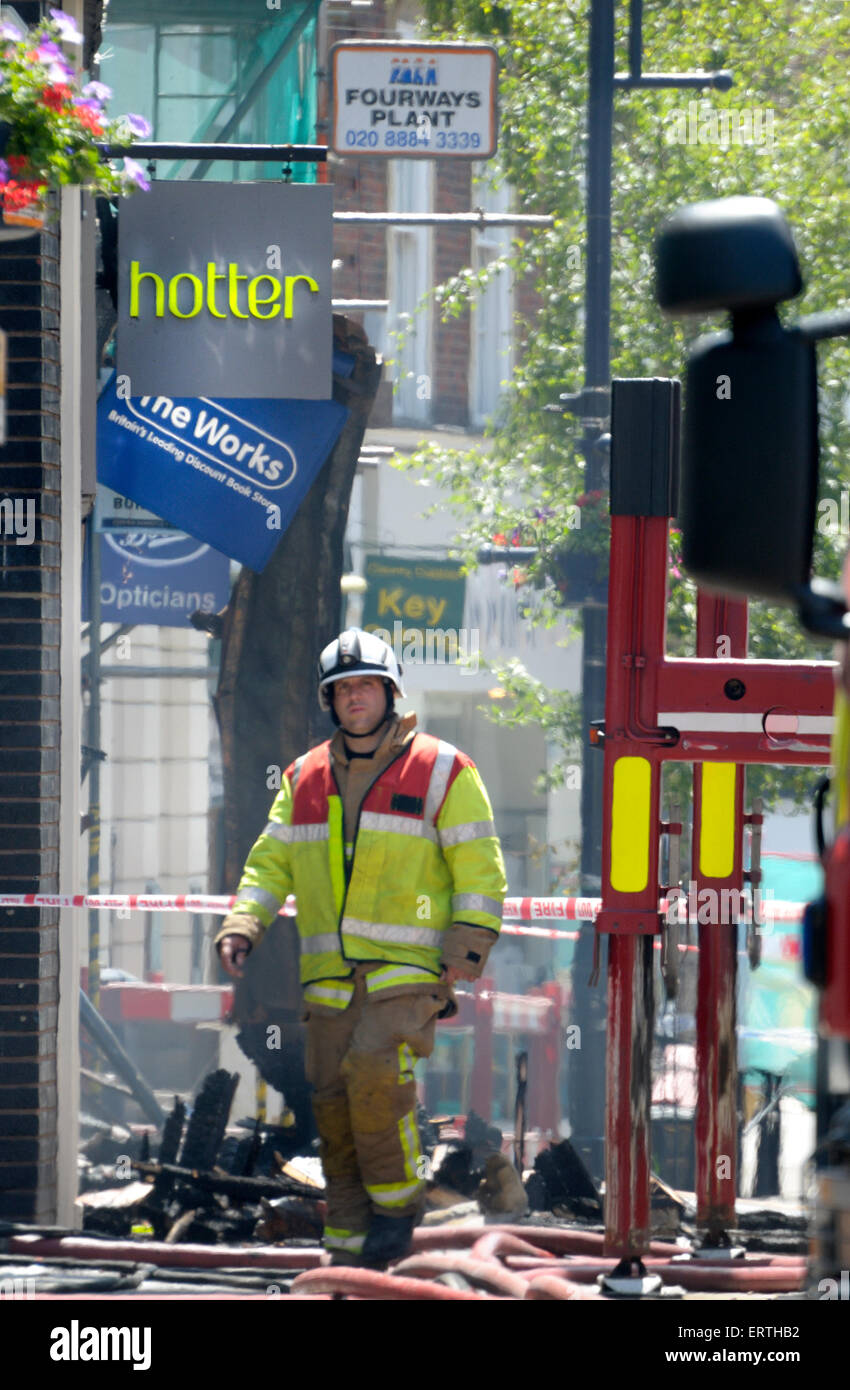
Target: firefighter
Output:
{"points": [[386, 837]]}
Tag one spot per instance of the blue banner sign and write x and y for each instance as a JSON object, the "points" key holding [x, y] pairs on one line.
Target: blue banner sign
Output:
{"points": [[231, 472], [157, 578]]}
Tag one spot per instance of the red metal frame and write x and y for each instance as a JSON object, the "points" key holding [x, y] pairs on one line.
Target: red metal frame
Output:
{"points": [[671, 709]]}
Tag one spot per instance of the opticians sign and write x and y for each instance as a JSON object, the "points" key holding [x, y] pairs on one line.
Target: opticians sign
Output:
{"points": [[157, 577], [419, 99], [225, 290]]}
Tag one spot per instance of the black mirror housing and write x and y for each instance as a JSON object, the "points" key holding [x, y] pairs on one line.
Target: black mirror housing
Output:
{"points": [[749, 468], [748, 484], [733, 253]]}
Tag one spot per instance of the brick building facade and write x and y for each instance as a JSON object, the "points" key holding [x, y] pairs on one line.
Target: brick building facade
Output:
{"points": [[368, 259]]}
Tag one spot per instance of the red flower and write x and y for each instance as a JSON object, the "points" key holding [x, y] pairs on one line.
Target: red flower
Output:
{"points": [[89, 119], [56, 97], [17, 162], [17, 195]]}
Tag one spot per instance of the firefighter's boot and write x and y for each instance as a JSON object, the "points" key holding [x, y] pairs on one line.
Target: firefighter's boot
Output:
{"points": [[389, 1238]]}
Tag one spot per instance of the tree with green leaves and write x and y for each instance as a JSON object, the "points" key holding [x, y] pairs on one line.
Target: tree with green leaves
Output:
{"points": [[782, 132]]}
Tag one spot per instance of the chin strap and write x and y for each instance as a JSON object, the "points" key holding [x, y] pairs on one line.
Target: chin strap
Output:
{"points": [[369, 732]]}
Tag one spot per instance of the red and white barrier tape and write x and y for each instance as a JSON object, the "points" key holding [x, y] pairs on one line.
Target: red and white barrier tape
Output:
{"points": [[525, 910]]}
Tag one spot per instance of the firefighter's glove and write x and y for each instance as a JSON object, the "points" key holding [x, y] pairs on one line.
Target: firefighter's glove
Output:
{"points": [[466, 949], [239, 934]]}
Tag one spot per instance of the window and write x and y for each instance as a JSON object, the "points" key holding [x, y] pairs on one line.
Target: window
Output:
{"points": [[409, 274], [242, 78], [492, 338]]}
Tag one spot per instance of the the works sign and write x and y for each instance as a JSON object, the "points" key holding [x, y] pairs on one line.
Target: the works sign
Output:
{"points": [[230, 472], [225, 290]]}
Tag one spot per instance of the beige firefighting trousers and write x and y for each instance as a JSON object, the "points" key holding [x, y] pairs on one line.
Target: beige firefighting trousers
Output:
{"points": [[360, 1063]]}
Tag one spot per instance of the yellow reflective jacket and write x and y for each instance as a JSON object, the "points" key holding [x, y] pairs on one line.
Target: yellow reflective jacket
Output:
{"points": [[426, 859]]}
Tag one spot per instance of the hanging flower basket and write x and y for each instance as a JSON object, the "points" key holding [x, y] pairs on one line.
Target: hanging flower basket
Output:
{"points": [[52, 130], [23, 208], [580, 578], [579, 567], [24, 222]]}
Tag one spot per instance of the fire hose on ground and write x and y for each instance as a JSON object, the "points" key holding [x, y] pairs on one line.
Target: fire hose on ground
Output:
{"points": [[449, 1264], [504, 1262]]}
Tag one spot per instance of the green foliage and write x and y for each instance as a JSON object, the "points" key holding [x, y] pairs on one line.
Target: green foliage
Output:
{"points": [[482, 19], [525, 700], [788, 58]]}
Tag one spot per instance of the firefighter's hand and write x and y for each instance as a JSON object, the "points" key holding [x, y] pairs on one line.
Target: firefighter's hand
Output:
{"points": [[451, 974], [232, 951]]}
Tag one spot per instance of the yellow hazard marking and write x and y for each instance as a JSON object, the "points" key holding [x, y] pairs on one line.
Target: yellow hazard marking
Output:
{"points": [[334, 843], [717, 820], [841, 753], [630, 825]]}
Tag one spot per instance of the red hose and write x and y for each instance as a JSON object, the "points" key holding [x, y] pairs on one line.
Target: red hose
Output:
{"points": [[489, 1273], [528, 1251], [757, 1257], [549, 1238], [498, 1243], [374, 1284], [551, 1286], [578, 1269], [153, 1252], [733, 1278]]}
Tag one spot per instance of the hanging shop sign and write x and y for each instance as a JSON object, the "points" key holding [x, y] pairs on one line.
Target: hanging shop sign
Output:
{"points": [[416, 606], [414, 99], [230, 472], [157, 577], [225, 289]]}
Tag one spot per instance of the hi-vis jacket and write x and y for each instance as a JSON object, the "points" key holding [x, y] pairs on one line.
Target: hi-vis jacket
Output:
{"points": [[426, 878]]}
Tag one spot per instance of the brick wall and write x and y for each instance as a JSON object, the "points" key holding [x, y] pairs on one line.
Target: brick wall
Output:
{"points": [[29, 730]]}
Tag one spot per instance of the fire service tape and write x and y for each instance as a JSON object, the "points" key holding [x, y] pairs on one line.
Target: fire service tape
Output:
{"points": [[514, 910]]}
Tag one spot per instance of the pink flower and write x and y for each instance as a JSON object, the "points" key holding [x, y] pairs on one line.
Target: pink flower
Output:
{"points": [[68, 31], [97, 91], [137, 173], [138, 125]]}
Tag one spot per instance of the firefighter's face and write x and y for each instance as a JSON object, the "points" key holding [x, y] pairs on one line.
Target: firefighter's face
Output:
{"points": [[359, 702]]}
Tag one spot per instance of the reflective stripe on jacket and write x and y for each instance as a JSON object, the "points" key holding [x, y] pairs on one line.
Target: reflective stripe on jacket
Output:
{"points": [[426, 854]]}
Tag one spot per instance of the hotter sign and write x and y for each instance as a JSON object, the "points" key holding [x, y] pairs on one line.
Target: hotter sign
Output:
{"points": [[225, 290]]}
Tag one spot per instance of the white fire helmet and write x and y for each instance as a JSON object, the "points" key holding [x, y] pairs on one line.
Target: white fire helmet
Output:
{"points": [[357, 653]]}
